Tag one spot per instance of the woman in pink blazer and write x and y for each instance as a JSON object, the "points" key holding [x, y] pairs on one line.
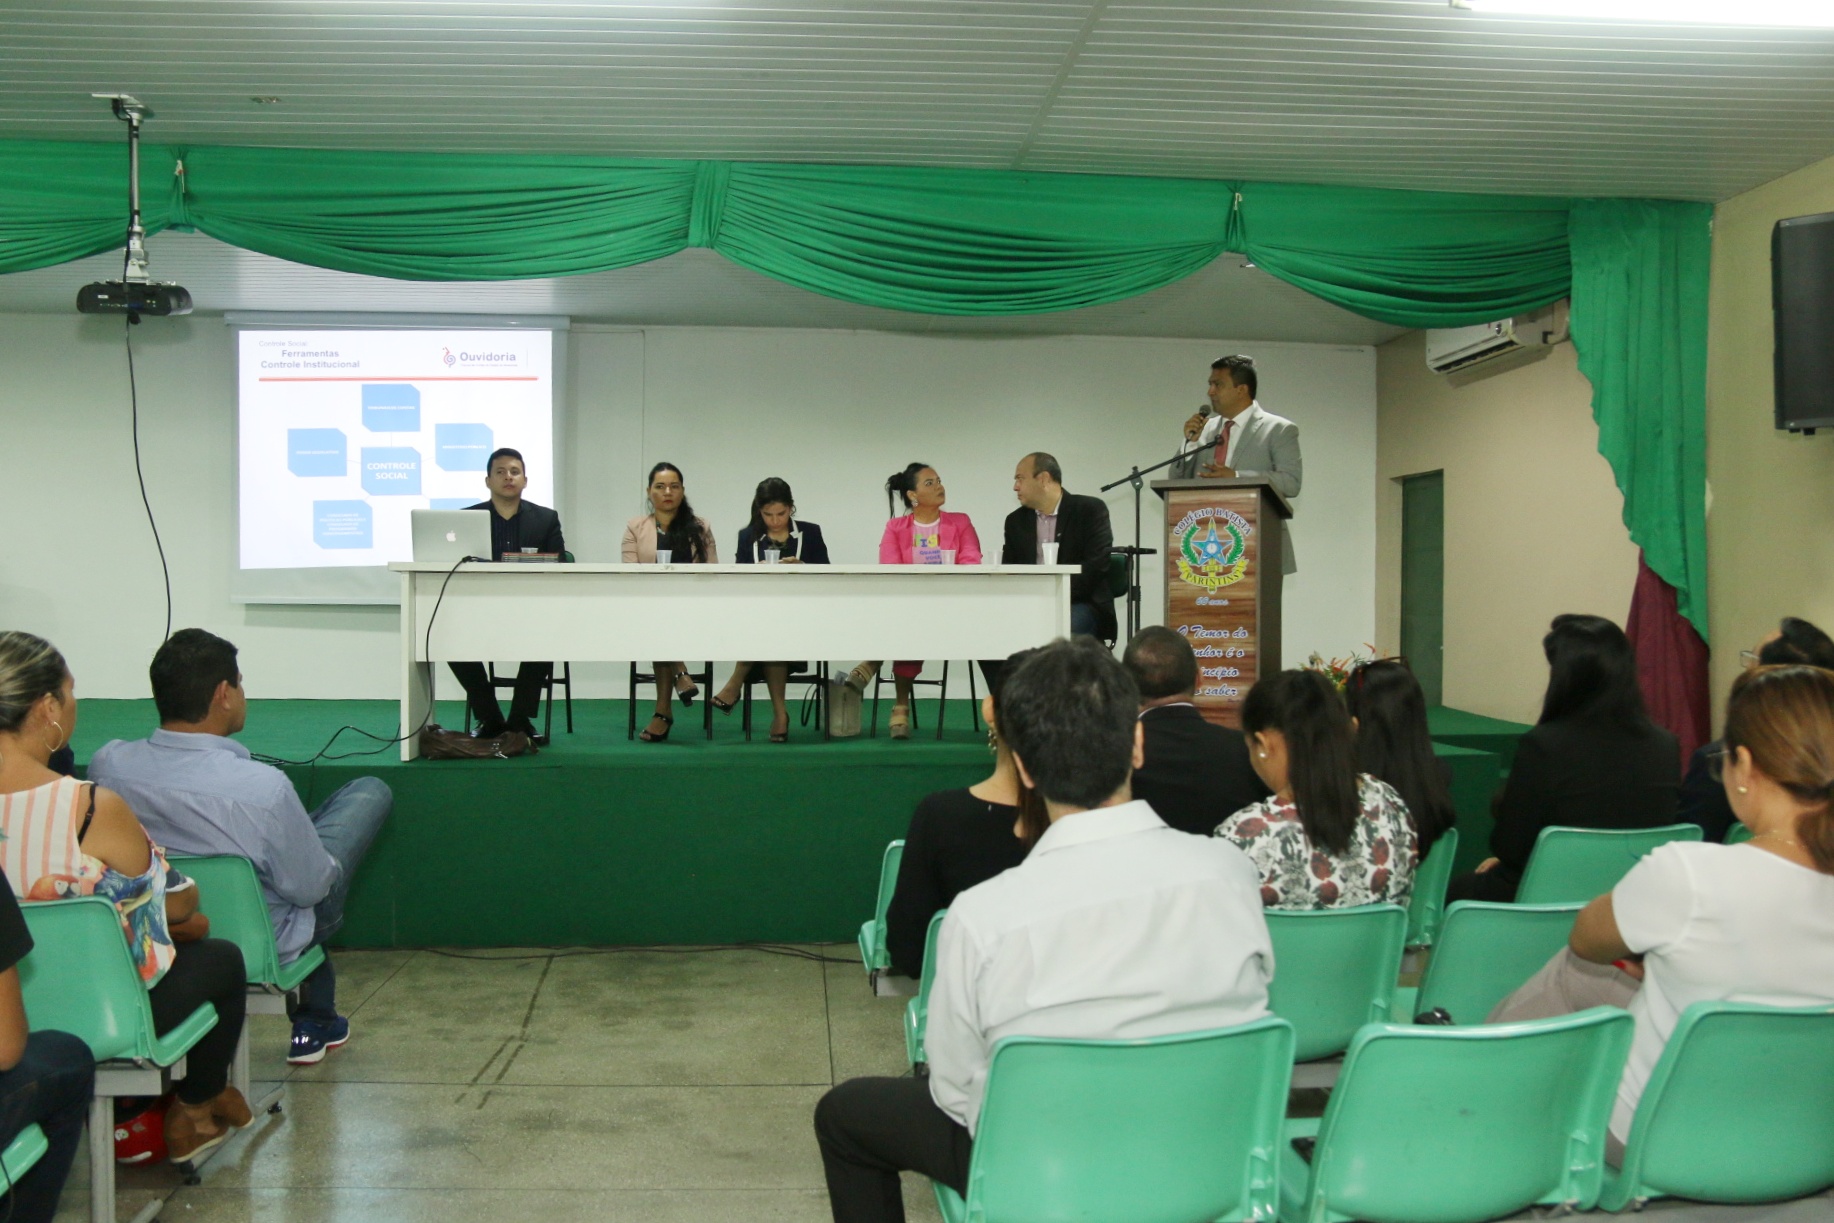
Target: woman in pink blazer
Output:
{"points": [[919, 537]]}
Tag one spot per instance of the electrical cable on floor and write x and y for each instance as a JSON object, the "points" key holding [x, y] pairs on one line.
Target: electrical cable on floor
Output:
{"points": [[384, 743], [133, 396]]}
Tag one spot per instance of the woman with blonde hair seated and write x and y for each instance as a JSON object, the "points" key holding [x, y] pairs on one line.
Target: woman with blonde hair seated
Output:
{"points": [[1699, 922], [63, 839]]}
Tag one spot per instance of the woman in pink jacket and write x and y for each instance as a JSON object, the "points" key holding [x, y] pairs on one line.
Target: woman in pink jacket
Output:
{"points": [[926, 535]]}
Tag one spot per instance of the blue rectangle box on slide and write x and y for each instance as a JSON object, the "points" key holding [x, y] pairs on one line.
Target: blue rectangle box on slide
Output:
{"points": [[317, 452], [391, 407], [391, 471], [461, 447], [343, 524], [451, 503]]}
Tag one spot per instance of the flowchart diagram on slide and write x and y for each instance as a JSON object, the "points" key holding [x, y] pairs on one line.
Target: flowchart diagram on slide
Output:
{"points": [[342, 433]]}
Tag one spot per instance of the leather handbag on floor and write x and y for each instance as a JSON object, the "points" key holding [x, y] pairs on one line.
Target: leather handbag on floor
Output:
{"points": [[437, 743], [843, 711]]}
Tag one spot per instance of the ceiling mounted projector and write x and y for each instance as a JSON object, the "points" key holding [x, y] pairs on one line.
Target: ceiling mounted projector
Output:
{"points": [[135, 293]]}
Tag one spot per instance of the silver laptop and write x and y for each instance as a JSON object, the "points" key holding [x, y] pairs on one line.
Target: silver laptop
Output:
{"points": [[450, 536]]}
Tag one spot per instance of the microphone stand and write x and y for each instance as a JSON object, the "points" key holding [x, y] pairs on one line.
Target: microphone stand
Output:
{"points": [[1134, 553]]}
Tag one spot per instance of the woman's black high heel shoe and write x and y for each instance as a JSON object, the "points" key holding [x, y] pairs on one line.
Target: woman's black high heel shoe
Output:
{"points": [[722, 706], [668, 725], [687, 694]]}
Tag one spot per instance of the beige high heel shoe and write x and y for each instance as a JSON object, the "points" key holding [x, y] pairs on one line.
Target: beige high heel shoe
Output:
{"points": [[901, 722]]}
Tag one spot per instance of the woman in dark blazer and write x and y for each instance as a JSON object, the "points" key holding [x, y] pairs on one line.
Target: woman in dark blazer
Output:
{"points": [[1594, 760], [773, 536]]}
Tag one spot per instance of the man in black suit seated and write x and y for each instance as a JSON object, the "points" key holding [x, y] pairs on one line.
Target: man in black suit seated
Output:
{"points": [[1079, 527], [1196, 773], [516, 526]]}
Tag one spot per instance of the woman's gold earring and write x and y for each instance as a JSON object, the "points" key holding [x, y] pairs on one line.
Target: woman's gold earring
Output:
{"points": [[993, 742], [60, 735], [1744, 789]]}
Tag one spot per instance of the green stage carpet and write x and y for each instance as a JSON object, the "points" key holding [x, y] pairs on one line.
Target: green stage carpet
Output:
{"points": [[603, 841]]}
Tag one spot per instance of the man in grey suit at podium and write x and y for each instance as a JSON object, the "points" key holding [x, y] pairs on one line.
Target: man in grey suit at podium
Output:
{"points": [[1238, 437]]}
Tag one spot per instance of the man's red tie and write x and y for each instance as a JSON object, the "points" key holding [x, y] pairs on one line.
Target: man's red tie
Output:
{"points": [[1221, 457]]}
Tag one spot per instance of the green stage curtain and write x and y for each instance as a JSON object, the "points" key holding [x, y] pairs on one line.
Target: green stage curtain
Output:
{"points": [[427, 216], [966, 242], [1640, 271], [1412, 258], [60, 200]]}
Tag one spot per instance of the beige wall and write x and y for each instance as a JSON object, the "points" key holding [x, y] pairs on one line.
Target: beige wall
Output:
{"points": [[1769, 549], [1534, 521]]}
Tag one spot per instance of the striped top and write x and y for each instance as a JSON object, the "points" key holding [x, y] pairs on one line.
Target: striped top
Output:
{"points": [[44, 860]]}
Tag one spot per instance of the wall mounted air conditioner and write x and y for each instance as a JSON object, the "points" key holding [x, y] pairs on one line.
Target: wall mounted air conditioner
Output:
{"points": [[1456, 348]]}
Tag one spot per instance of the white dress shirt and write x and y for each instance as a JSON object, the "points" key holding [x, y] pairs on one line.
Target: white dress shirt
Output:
{"points": [[1213, 428], [1114, 927]]}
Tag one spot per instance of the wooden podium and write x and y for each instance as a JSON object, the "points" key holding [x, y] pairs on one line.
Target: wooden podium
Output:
{"points": [[1225, 541]]}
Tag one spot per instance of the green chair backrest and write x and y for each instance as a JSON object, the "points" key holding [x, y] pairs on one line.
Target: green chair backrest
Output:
{"points": [[1458, 1125], [1738, 834], [1334, 971], [1486, 952], [1740, 1108], [1426, 908], [1574, 865], [231, 897], [872, 935], [917, 1010], [1168, 1129], [27, 1148], [80, 979], [1117, 574]]}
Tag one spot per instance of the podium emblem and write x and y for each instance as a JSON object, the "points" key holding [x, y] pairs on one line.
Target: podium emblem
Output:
{"points": [[1212, 547]]}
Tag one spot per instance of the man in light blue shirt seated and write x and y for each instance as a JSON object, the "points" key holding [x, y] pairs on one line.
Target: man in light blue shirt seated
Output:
{"points": [[197, 791]]}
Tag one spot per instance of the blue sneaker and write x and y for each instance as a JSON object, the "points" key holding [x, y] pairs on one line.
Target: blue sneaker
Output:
{"points": [[312, 1040]]}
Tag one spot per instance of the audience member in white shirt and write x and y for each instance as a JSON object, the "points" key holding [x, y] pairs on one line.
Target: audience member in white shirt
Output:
{"points": [[1115, 926], [1697, 922]]}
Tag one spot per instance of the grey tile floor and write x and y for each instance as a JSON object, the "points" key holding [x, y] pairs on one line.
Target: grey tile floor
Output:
{"points": [[642, 1086], [647, 1086]]}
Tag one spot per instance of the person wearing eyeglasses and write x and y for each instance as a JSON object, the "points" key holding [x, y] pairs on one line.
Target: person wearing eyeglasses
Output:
{"points": [[1594, 760], [1703, 800], [1695, 922]]}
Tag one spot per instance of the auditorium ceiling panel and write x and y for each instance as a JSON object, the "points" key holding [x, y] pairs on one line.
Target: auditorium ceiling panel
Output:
{"points": [[1396, 93]]}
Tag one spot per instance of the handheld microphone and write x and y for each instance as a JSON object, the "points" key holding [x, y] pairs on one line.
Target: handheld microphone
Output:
{"points": [[1203, 409]]}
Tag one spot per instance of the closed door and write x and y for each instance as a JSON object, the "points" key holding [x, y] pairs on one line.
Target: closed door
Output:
{"points": [[1423, 580]]}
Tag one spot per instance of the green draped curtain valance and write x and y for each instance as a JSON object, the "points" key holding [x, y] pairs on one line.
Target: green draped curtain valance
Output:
{"points": [[965, 242]]}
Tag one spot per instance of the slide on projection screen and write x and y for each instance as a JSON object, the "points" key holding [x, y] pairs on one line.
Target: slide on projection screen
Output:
{"points": [[343, 431]]}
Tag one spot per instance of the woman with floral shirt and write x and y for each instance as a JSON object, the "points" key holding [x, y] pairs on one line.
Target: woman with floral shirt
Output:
{"points": [[1330, 837]]}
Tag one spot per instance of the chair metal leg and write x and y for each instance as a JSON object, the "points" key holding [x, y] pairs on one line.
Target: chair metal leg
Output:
{"points": [[566, 671], [974, 697], [101, 1159], [238, 1069], [877, 679], [630, 731], [942, 700], [547, 714]]}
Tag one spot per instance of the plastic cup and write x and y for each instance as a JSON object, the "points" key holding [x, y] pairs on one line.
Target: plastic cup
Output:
{"points": [[948, 556], [772, 556], [1050, 553], [664, 556]]}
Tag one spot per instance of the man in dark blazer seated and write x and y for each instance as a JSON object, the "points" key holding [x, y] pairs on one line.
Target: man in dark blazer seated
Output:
{"points": [[516, 526], [1196, 773], [1079, 527]]}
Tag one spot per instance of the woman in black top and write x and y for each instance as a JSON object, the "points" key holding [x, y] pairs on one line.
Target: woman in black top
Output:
{"points": [[1594, 760], [959, 838], [45, 1076], [773, 536], [1388, 709]]}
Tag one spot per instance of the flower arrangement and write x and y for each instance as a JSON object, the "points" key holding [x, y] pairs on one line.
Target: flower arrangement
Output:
{"points": [[1338, 670]]}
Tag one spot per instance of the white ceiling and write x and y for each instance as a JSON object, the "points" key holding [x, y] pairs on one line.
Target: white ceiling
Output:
{"points": [[1401, 93], [1397, 93], [699, 288]]}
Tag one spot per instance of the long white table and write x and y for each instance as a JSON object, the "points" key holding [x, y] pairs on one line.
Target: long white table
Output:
{"points": [[614, 613]]}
